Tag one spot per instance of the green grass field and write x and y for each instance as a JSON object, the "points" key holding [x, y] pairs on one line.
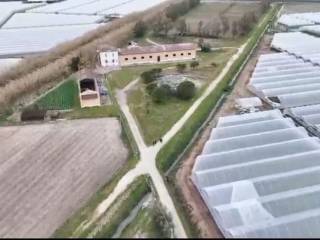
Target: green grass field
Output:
{"points": [[120, 79], [64, 97], [156, 119]]}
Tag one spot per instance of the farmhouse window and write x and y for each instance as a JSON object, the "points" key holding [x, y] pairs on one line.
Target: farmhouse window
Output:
{"points": [[189, 53], [134, 58], [167, 55], [182, 54], [174, 54], [126, 59], [150, 56], [142, 57]]}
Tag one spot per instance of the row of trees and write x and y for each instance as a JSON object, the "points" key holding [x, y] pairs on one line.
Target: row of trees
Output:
{"points": [[218, 27], [164, 22]]}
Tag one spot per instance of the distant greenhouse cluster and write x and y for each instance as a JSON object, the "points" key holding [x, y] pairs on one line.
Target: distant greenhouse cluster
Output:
{"points": [[45, 24]]}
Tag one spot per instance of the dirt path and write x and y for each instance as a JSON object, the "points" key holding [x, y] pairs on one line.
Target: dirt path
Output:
{"points": [[199, 212], [147, 164]]}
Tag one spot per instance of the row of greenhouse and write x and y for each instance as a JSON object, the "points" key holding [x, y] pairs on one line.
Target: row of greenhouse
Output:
{"points": [[259, 173]]}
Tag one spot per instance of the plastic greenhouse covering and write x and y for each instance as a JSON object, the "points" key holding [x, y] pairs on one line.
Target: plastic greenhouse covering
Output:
{"points": [[309, 114], [283, 80], [261, 183]]}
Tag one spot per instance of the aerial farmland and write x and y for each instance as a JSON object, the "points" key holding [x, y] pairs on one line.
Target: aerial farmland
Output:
{"points": [[50, 170]]}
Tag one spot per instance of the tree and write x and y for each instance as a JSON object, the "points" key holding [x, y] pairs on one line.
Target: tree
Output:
{"points": [[225, 24], [216, 29], [234, 29], [75, 64], [181, 67], [151, 76], [194, 64], [200, 26], [140, 29], [186, 90], [182, 27], [206, 47], [160, 94]]}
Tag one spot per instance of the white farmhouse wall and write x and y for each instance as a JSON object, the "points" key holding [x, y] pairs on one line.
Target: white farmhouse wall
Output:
{"points": [[109, 59]]}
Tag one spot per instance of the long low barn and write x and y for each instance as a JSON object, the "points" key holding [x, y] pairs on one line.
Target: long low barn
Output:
{"points": [[259, 175], [48, 171]]}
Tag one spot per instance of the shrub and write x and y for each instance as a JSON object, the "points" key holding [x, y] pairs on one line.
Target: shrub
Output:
{"points": [[194, 64], [206, 47], [181, 67], [151, 87], [151, 76], [33, 113], [186, 90], [140, 29], [160, 94]]}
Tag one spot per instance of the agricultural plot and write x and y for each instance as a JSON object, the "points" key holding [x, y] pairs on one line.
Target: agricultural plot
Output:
{"points": [[49, 171], [208, 12], [64, 97]]}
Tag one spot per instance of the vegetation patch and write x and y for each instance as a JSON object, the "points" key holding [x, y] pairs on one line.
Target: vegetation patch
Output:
{"points": [[158, 110], [65, 96], [93, 112]]}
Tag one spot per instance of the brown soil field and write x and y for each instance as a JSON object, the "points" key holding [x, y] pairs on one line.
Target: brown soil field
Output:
{"points": [[200, 214], [49, 171]]}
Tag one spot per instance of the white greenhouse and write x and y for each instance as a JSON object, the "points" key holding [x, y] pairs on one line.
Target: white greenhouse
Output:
{"points": [[259, 175], [285, 81]]}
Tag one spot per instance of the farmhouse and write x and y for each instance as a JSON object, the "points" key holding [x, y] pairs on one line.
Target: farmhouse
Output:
{"points": [[148, 54], [89, 93]]}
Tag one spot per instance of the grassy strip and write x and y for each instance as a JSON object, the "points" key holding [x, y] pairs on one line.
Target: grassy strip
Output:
{"points": [[125, 124], [93, 112], [120, 209], [64, 97], [170, 152]]}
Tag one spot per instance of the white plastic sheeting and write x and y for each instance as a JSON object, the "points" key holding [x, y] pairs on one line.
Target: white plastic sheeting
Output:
{"points": [[261, 183], [299, 44], [9, 8], [98, 7], [295, 20], [25, 41], [284, 81], [309, 114], [24, 20]]}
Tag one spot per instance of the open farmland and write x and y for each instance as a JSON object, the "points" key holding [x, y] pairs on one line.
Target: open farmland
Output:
{"points": [[49, 171], [208, 12]]}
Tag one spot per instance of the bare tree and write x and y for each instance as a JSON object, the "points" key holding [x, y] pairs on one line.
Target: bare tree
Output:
{"points": [[234, 29], [200, 26], [182, 27], [225, 24], [216, 29]]}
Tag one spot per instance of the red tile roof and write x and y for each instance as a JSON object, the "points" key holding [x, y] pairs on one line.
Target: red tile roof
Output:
{"points": [[158, 49]]}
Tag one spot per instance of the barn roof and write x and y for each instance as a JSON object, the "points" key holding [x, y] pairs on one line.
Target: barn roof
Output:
{"points": [[158, 48]]}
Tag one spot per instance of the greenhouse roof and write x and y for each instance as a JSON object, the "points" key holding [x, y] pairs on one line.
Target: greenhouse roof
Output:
{"points": [[283, 80], [262, 182]]}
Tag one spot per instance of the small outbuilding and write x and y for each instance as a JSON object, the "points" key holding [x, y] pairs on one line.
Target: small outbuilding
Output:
{"points": [[89, 93]]}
